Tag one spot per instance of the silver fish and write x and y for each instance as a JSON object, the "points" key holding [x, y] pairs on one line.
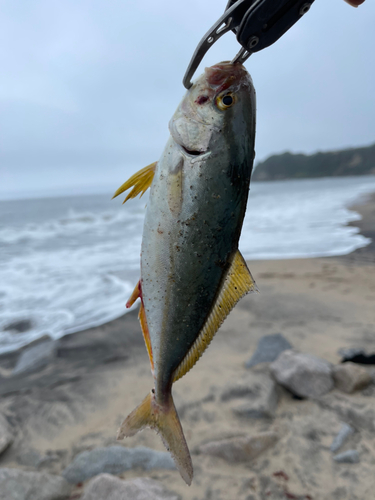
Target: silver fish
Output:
{"points": [[192, 273]]}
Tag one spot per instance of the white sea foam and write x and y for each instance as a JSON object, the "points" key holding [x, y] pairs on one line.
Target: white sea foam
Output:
{"points": [[64, 291], [71, 263], [297, 219], [69, 225]]}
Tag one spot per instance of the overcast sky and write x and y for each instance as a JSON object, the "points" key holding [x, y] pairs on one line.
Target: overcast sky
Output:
{"points": [[87, 87]]}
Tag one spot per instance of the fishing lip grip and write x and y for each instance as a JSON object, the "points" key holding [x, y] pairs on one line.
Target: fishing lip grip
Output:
{"points": [[256, 23]]}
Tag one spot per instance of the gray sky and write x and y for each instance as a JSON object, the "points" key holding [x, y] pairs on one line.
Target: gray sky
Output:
{"points": [[87, 87]]}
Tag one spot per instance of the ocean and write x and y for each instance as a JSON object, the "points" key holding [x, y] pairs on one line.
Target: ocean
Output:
{"points": [[69, 263]]}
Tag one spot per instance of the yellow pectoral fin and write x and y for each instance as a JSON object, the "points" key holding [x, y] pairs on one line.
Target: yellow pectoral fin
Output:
{"points": [[237, 283], [140, 182]]}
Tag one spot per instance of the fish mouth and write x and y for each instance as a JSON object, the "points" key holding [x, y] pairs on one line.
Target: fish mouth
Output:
{"points": [[192, 155]]}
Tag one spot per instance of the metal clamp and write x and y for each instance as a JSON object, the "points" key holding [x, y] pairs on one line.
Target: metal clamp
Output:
{"points": [[256, 23]]}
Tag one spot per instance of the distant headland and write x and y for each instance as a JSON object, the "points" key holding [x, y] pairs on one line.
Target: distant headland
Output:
{"points": [[353, 161]]}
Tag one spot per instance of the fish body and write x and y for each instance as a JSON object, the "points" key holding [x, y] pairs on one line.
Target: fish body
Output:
{"points": [[193, 222], [191, 271]]}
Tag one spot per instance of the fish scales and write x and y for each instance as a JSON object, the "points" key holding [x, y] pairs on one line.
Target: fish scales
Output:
{"points": [[184, 253], [191, 271]]}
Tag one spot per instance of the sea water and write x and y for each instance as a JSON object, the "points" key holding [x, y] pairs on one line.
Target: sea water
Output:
{"points": [[69, 263]]}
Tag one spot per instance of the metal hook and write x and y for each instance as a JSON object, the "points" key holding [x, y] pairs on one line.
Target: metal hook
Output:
{"points": [[230, 20]]}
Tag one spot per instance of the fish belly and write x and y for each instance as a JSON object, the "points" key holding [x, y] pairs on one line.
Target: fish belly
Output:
{"points": [[192, 226]]}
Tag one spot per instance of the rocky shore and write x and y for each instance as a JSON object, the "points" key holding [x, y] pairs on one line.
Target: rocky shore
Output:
{"points": [[271, 411]]}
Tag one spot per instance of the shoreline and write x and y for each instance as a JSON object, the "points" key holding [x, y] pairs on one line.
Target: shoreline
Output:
{"points": [[364, 255], [90, 380], [366, 227], [366, 209]]}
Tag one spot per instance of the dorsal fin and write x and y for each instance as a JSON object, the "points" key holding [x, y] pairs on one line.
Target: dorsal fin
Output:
{"points": [[237, 283], [140, 182]]}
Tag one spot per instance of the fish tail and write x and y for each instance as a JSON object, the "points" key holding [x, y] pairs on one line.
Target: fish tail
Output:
{"points": [[164, 419]]}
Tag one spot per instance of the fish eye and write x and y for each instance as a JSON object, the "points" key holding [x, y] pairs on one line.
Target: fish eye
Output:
{"points": [[225, 101]]}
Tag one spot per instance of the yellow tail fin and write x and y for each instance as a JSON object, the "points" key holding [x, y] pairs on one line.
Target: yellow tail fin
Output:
{"points": [[164, 420]]}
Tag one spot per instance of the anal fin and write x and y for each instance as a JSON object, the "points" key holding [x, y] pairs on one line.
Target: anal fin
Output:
{"points": [[146, 334], [140, 182], [237, 283], [137, 294]]}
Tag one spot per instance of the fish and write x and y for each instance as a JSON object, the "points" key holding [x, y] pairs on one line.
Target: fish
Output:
{"points": [[192, 273], [355, 3]]}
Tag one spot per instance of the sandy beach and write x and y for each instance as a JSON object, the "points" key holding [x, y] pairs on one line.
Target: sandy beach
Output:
{"points": [[93, 379]]}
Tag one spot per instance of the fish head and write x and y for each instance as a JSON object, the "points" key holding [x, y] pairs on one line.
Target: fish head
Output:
{"points": [[354, 3], [222, 99]]}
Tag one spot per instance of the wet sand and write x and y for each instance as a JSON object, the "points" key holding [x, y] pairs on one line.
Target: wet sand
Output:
{"points": [[79, 399]]}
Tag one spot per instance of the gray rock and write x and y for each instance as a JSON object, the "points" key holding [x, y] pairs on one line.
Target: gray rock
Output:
{"points": [[109, 487], [18, 326], [240, 449], [6, 437], [260, 393], [360, 416], [36, 357], [248, 389], [345, 431], [51, 458], [16, 484], [347, 457], [303, 374], [350, 377], [115, 460], [339, 493], [264, 408], [268, 349], [29, 458], [350, 352]]}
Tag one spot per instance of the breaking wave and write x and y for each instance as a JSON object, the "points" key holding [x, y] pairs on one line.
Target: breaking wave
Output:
{"points": [[71, 263]]}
